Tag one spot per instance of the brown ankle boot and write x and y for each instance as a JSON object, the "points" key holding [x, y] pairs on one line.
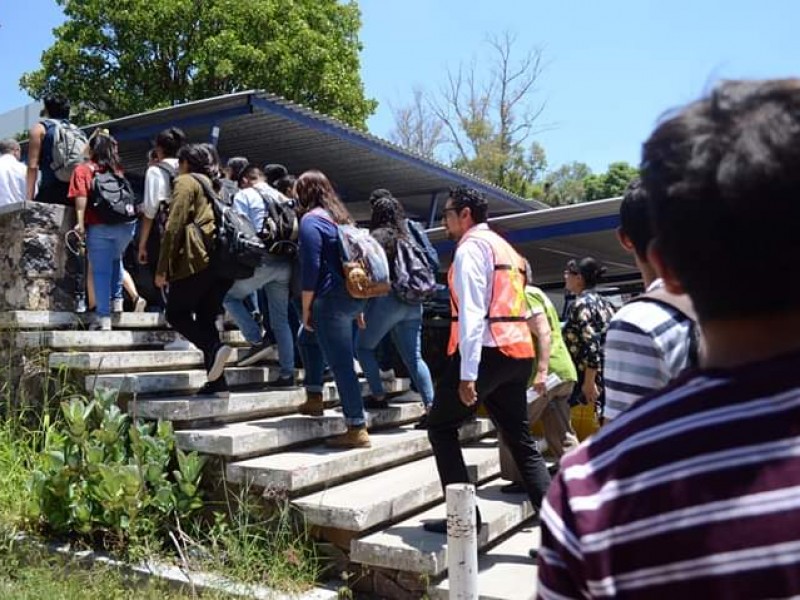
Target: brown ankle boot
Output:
{"points": [[313, 405], [355, 437]]}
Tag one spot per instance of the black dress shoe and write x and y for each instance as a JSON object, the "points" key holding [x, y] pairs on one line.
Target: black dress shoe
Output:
{"points": [[512, 488], [533, 553], [282, 382], [214, 389], [372, 403], [422, 423]]}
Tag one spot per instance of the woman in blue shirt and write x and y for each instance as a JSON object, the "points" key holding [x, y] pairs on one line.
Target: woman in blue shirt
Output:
{"points": [[328, 310]]}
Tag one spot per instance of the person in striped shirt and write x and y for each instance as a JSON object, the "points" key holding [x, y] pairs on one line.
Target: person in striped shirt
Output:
{"points": [[695, 493], [648, 342]]}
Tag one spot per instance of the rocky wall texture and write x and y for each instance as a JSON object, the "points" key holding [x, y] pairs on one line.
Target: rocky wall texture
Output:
{"points": [[34, 274]]}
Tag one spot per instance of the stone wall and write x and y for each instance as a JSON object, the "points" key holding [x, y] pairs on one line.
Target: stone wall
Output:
{"points": [[33, 257]]}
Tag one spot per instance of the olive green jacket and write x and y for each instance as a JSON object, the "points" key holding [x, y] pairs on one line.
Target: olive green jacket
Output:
{"points": [[189, 231]]}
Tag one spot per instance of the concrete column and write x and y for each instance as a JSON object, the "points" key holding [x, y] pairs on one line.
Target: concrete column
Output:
{"points": [[462, 541]]}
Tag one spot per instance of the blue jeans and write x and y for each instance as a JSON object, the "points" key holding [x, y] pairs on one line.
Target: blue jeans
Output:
{"points": [[105, 245], [273, 277], [333, 316], [404, 321]]}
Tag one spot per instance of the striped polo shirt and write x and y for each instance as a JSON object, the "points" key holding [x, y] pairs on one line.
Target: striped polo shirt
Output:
{"points": [[646, 347], [695, 494]]}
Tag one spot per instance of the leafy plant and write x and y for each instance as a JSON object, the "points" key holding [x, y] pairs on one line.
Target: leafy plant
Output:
{"points": [[101, 473]]}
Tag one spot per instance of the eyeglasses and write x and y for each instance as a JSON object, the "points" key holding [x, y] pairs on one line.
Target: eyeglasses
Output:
{"points": [[447, 210]]}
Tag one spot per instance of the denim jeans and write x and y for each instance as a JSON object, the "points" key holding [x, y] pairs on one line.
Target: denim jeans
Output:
{"points": [[404, 321], [273, 277], [105, 245], [333, 315]]}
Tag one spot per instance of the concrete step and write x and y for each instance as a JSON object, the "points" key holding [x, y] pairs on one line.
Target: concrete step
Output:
{"points": [[406, 546], [43, 319], [181, 381], [133, 360], [506, 572], [297, 471], [386, 496], [106, 340], [264, 436], [240, 406]]}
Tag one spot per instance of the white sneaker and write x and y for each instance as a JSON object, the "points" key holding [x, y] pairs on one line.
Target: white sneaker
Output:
{"points": [[101, 324], [220, 323], [139, 304], [117, 306], [218, 366], [180, 344], [387, 375]]}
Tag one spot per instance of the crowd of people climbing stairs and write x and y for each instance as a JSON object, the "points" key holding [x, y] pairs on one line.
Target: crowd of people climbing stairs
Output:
{"points": [[687, 488]]}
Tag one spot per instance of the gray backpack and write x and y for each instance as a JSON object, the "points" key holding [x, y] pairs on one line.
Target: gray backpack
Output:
{"points": [[69, 143]]}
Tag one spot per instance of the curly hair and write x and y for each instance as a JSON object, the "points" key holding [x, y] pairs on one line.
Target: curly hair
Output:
{"points": [[388, 212], [467, 197]]}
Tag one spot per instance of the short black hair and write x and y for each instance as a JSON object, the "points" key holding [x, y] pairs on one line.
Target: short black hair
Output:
{"points": [[57, 107], [467, 197], [170, 141], [285, 185], [634, 217], [723, 178], [273, 172], [251, 172], [588, 268]]}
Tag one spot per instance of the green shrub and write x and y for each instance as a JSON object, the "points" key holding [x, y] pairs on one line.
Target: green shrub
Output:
{"points": [[102, 475]]}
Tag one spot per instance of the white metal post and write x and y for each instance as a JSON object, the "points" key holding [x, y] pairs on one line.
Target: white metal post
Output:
{"points": [[462, 541]]}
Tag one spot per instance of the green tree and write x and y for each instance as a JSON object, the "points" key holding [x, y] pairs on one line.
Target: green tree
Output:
{"points": [[612, 183], [486, 118], [567, 184], [114, 59]]}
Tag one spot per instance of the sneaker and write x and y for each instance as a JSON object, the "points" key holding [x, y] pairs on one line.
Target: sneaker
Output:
{"points": [[180, 344], [282, 382], [117, 306], [256, 353], [80, 304], [101, 324], [139, 304], [373, 403], [214, 389], [220, 323], [387, 374], [218, 362]]}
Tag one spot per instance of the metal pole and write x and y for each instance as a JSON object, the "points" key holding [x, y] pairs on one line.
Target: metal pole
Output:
{"points": [[462, 541]]}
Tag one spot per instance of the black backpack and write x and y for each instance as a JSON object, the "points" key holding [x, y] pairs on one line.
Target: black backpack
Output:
{"points": [[414, 281], [237, 250], [281, 227], [112, 198]]}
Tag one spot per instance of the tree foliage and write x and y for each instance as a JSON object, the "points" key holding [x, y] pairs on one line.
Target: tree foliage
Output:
{"points": [[574, 182], [485, 119], [115, 59]]}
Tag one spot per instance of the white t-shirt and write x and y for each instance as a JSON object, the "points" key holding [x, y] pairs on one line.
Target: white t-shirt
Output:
{"points": [[157, 188], [12, 180]]}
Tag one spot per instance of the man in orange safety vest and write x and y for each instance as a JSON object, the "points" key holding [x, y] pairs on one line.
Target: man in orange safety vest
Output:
{"points": [[490, 351]]}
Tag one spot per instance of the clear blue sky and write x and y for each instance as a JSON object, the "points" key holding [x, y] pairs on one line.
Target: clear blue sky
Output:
{"points": [[613, 67]]}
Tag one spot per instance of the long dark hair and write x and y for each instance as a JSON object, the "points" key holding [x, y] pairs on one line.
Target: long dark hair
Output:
{"points": [[103, 150], [203, 159], [314, 190], [388, 212], [170, 141]]}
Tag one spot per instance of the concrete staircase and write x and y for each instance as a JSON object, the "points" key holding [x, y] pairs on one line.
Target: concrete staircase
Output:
{"points": [[370, 504]]}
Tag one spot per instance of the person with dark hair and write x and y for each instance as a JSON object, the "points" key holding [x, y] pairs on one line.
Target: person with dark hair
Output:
{"points": [[196, 289], [691, 494], [273, 173], [490, 349], [390, 315], [158, 185], [273, 276], [51, 190], [12, 173], [651, 339], [584, 329], [285, 185], [105, 242], [232, 177], [328, 310]]}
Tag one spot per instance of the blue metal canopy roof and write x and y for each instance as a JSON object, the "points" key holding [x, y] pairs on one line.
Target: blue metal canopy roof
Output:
{"points": [[266, 128]]}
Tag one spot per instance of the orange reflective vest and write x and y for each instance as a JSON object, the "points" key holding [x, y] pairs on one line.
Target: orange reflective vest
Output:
{"points": [[508, 309]]}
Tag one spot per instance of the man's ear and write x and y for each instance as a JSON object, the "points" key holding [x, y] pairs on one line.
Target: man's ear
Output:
{"points": [[624, 240], [665, 271]]}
